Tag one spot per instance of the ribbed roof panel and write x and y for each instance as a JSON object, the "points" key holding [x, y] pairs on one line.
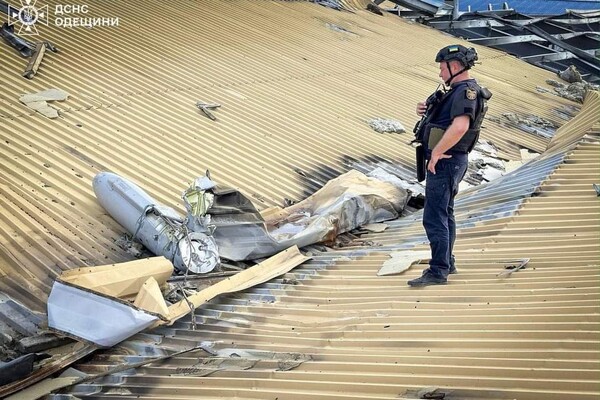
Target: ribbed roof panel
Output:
{"points": [[297, 83], [488, 334]]}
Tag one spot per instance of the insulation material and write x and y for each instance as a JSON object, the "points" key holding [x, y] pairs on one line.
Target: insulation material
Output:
{"points": [[344, 203], [120, 280], [400, 261]]}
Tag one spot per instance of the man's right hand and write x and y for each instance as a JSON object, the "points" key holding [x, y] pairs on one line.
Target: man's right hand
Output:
{"points": [[421, 108]]}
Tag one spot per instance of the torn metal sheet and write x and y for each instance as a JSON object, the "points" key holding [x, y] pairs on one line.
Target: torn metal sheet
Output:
{"points": [[160, 228], [102, 320], [400, 261], [274, 266], [73, 377], [345, 203], [103, 289], [19, 367], [70, 354], [38, 101]]}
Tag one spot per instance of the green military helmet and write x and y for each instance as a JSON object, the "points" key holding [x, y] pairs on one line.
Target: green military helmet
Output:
{"points": [[466, 56]]}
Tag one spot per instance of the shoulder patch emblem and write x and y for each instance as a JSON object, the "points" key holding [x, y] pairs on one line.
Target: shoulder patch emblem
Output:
{"points": [[471, 94]]}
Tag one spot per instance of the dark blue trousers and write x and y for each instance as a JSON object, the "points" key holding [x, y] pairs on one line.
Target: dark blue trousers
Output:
{"points": [[438, 215]]}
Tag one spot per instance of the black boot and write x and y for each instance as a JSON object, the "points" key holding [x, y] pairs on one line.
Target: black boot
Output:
{"points": [[428, 278]]}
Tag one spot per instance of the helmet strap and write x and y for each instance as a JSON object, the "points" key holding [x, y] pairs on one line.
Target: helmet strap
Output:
{"points": [[452, 76]]}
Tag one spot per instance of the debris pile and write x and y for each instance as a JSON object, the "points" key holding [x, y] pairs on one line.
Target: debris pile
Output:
{"points": [[130, 297], [574, 91], [34, 51], [570, 75], [533, 124], [39, 101], [382, 125], [222, 222]]}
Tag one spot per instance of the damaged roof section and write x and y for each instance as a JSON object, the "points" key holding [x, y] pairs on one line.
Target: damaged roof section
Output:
{"points": [[549, 34], [532, 7], [553, 43], [296, 83], [519, 320]]}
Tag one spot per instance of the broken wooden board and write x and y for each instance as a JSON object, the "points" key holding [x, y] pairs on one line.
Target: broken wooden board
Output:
{"points": [[120, 280], [274, 266]]}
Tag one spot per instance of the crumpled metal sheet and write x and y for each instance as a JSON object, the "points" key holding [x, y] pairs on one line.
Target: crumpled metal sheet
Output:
{"points": [[345, 203]]}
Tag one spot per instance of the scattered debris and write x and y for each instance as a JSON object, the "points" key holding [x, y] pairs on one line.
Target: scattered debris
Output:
{"points": [[374, 8], [73, 377], [378, 228], [540, 89], [382, 125], [338, 28], [285, 361], [485, 167], [38, 101], [526, 155], [335, 4], [487, 148], [344, 203], [574, 91], [431, 393], [208, 366], [400, 261], [570, 75], [131, 246], [35, 61], [108, 291], [206, 107], [533, 124], [19, 368], [511, 266], [126, 298]]}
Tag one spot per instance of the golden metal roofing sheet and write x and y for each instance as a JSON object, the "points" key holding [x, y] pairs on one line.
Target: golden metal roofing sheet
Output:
{"points": [[296, 92]]}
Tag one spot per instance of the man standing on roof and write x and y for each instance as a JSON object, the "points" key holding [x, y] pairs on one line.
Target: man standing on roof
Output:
{"points": [[450, 130]]}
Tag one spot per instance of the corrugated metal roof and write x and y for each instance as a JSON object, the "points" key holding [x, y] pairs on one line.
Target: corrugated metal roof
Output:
{"points": [[295, 95], [296, 92], [532, 7], [528, 335]]}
